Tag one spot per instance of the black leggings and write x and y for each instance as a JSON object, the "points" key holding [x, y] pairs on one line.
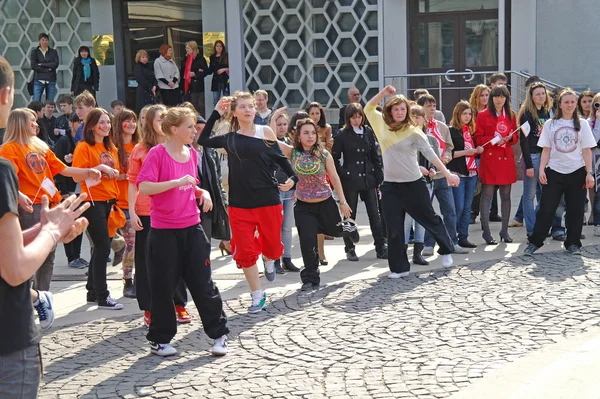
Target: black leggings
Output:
{"points": [[142, 281], [97, 216], [487, 192]]}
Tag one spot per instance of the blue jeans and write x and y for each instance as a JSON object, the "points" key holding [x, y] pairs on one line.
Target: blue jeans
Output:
{"points": [[557, 227], [38, 89], [223, 91], [443, 193], [419, 230], [463, 198], [532, 188], [288, 221], [20, 373], [519, 215]]}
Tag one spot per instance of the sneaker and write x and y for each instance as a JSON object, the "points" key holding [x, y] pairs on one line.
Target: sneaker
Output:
{"points": [[183, 317], [560, 237], [460, 250], [147, 319], [76, 264], [270, 270], [129, 288], [597, 231], [382, 253], [351, 256], [515, 223], [163, 350], [278, 268], [447, 260], [466, 244], [308, 286], [530, 250], [398, 275], [574, 249], [44, 309], [259, 301], [110, 304], [220, 346], [349, 230], [84, 262], [427, 251]]}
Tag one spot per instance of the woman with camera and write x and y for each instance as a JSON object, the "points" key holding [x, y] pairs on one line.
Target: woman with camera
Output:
{"points": [[594, 122]]}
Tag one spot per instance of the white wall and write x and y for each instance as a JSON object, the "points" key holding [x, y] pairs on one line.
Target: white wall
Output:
{"points": [[102, 24], [523, 36], [393, 37], [567, 42]]}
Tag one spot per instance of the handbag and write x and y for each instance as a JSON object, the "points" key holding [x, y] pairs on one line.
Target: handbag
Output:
{"points": [[30, 87], [220, 222]]}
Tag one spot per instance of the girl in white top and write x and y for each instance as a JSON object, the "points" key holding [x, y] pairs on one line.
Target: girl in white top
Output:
{"points": [[565, 169]]}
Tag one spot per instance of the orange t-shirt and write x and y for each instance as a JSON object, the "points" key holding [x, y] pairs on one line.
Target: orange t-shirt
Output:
{"points": [[136, 160], [32, 167], [87, 156], [124, 184]]}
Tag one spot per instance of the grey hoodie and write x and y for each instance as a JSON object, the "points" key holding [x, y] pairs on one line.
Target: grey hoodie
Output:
{"points": [[166, 70]]}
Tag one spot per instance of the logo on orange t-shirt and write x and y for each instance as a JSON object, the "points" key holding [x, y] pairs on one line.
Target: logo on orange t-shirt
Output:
{"points": [[36, 162], [107, 159]]}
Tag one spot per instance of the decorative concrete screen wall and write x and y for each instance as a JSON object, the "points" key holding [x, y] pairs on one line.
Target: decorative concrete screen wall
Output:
{"points": [[311, 50], [68, 24]]}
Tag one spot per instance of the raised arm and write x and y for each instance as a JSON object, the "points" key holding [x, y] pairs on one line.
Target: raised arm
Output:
{"points": [[218, 141], [387, 91]]}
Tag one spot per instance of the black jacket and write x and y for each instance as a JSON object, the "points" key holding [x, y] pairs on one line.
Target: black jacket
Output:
{"points": [[44, 66], [64, 146], [211, 182], [78, 79], [144, 75], [356, 160], [197, 83], [215, 65]]}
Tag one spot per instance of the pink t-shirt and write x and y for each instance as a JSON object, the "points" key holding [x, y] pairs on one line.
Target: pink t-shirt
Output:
{"points": [[175, 208]]}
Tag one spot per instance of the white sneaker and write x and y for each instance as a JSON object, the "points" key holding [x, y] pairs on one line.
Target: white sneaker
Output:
{"points": [[447, 260], [163, 350], [220, 346], [460, 250], [427, 251], [45, 309], [597, 231], [398, 275]]}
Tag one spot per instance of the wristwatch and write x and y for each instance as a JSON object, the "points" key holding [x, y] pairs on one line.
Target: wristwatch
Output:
{"points": [[590, 173]]}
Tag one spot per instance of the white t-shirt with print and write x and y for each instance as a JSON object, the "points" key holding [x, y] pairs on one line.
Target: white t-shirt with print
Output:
{"points": [[565, 144]]}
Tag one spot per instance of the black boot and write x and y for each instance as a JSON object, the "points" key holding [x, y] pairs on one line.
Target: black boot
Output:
{"points": [[382, 252], [129, 288], [289, 266], [417, 257]]}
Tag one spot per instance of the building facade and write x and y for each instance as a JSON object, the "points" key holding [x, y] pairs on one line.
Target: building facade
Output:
{"points": [[314, 50]]}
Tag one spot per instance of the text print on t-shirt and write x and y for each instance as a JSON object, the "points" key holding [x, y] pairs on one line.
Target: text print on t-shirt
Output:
{"points": [[107, 159], [186, 187], [566, 139], [36, 162]]}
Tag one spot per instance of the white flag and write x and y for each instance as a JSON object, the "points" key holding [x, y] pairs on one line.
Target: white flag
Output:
{"points": [[526, 128], [49, 187], [496, 140]]}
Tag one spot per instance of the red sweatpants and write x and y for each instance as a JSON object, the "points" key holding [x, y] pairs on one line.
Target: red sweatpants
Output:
{"points": [[255, 231]]}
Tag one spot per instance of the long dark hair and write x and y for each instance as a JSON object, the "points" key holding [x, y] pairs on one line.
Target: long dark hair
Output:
{"points": [[117, 135], [317, 148], [559, 114], [223, 58], [91, 122], [322, 121], [353, 109], [294, 120], [500, 91]]}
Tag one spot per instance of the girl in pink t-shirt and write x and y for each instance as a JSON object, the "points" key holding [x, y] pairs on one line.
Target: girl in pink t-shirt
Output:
{"points": [[177, 246]]}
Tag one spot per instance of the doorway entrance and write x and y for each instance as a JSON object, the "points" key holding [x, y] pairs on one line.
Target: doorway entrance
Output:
{"points": [[149, 24], [448, 37]]}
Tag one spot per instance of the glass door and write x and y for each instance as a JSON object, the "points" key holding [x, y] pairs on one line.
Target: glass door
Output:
{"points": [[451, 41]]}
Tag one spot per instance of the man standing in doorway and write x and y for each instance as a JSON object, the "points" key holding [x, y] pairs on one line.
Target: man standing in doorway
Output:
{"points": [[44, 61]]}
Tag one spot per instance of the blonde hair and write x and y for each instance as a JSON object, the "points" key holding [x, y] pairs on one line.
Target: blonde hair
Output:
{"points": [[176, 116], [387, 113], [474, 99], [237, 96], [18, 130], [140, 54], [261, 93], [193, 45], [529, 105]]}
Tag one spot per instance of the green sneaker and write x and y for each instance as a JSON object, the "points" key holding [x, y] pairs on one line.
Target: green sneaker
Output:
{"points": [[259, 301]]}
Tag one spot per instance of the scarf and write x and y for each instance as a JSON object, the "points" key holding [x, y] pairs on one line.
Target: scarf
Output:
{"points": [[187, 79], [502, 129], [433, 130], [87, 69], [470, 159]]}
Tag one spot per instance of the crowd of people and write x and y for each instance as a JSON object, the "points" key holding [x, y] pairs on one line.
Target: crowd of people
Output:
{"points": [[159, 183]]}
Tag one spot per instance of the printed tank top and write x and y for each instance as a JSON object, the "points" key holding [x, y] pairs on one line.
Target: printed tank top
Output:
{"points": [[312, 175]]}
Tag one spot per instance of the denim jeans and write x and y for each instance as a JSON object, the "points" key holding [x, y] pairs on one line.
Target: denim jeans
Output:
{"points": [[519, 215], [532, 188], [418, 229], [463, 198], [43, 276], [288, 221], [38, 89], [557, 226], [443, 193], [20, 373]]}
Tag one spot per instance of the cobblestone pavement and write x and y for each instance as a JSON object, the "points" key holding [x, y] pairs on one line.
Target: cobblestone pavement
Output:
{"points": [[425, 336]]}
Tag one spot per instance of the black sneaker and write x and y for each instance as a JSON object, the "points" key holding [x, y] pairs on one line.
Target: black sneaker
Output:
{"points": [[278, 268], [530, 250], [574, 249], [309, 286], [382, 253], [349, 230], [351, 256], [110, 304], [560, 237]]}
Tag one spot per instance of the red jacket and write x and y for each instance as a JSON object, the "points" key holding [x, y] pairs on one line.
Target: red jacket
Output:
{"points": [[497, 164]]}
